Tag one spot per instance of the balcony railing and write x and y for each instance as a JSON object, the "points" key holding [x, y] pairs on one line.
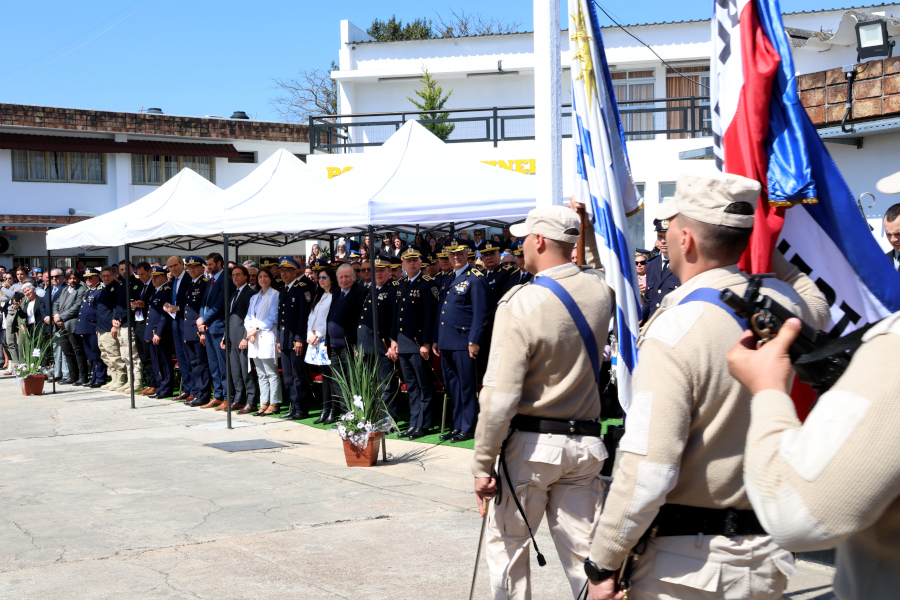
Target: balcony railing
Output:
{"points": [[675, 118]]}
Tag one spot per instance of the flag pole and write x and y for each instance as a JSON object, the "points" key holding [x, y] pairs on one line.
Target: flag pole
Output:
{"points": [[582, 216]]}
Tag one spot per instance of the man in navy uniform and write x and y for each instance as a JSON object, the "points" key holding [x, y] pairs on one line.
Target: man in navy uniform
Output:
{"points": [[196, 353], [521, 275], [87, 328], [495, 278], [159, 332], [396, 267], [411, 339], [445, 272], [660, 279], [211, 324], [386, 292], [293, 313], [460, 325]]}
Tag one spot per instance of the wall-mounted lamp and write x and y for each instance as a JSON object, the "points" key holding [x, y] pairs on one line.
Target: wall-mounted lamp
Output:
{"points": [[80, 213], [872, 40]]}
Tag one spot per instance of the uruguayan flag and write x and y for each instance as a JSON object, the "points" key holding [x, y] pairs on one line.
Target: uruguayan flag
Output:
{"points": [[603, 181]]}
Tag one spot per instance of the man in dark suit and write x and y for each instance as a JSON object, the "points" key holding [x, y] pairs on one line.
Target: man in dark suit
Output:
{"points": [[413, 330], [660, 279], [51, 293], [141, 293], [293, 313], [65, 315], [892, 232], [244, 392], [159, 334], [199, 365], [211, 325], [343, 321], [479, 241], [521, 276], [386, 290], [462, 315], [179, 280]]}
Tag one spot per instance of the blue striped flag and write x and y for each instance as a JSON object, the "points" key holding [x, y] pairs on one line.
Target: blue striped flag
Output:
{"points": [[603, 181]]}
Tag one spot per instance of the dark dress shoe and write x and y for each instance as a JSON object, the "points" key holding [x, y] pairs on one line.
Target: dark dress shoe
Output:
{"points": [[462, 436], [96, 384], [189, 399], [247, 410], [197, 402], [67, 381], [417, 433], [403, 434], [182, 396], [450, 435], [82, 381]]}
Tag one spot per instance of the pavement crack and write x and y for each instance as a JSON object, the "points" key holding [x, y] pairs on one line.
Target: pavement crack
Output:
{"points": [[338, 521]]}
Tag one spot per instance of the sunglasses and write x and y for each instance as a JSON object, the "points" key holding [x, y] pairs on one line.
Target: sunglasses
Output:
{"points": [[365, 270], [323, 276], [55, 276], [640, 262]]}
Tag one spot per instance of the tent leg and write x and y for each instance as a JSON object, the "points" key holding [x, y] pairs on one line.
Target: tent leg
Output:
{"points": [[226, 302], [50, 268], [129, 321]]}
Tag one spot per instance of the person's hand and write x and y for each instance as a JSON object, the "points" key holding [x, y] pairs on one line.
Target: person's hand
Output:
{"points": [[242, 345], [137, 304], [434, 349], [278, 347], [156, 340], [202, 339], [642, 286], [222, 344], [298, 347], [575, 205], [766, 367], [424, 351], [58, 321], [251, 337], [114, 332], [473, 350], [605, 590], [311, 338], [116, 323], [485, 489], [395, 348], [47, 320]]}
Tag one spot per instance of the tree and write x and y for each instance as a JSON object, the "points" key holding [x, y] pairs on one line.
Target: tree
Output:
{"points": [[432, 101], [312, 92], [394, 30], [461, 24]]}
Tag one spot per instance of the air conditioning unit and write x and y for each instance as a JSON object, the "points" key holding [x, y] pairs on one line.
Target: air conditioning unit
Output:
{"points": [[5, 246]]}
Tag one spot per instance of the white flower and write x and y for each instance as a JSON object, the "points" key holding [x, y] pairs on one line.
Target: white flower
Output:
{"points": [[342, 430], [357, 401], [36, 353], [368, 426], [361, 425]]}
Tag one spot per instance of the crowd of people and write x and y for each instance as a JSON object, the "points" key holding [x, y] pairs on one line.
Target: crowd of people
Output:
{"points": [[292, 322]]}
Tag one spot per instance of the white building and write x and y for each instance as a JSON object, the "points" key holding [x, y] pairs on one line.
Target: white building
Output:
{"points": [[496, 74]]}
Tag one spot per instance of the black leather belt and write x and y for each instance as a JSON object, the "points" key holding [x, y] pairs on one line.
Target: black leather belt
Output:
{"points": [[676, 519], [560, 426]]}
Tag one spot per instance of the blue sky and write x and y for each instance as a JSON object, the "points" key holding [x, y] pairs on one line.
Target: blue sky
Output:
{"points": [[199, 57]]}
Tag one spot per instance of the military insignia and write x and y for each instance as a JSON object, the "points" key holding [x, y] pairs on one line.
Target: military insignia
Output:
{"points": [[308, 296], [204, 279], [664, 223], [427, 277], [478, 273], [435, 292], [461, 287], [382, 295]]}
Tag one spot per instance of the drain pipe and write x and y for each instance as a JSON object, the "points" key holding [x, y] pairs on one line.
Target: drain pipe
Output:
{"points": [[850, 74]]}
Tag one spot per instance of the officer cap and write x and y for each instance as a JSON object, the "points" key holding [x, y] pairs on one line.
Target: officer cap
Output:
{"points": [[472, 253], [353, 253], [382, 261], [91, 272], [518, 248], [456, 245], [319, 264], [441, 252], [709, 199], [428, 259], [558, 223], [194, 261], [158, 270], [661, 224], [268, 261], [396, 262], [490, 246], [411, 251], [286, 262]]}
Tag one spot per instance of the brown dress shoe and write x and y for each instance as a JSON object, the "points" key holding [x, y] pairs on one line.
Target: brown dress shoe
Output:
{"points": [[182, 396], [223, 405], [247, 410], [189, 399], [213, 403], [148, 391], [238, 407]]}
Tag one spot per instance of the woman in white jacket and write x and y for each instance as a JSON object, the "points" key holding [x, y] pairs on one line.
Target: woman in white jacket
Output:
{"points": [[260, 325], [316, 352]]}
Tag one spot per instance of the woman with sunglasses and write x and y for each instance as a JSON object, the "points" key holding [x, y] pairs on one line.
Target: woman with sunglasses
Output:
{"points": [[640, 265], [317, 325]]}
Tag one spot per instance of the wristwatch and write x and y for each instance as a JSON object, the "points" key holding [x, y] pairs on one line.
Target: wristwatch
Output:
{"points": [[595, 573]]}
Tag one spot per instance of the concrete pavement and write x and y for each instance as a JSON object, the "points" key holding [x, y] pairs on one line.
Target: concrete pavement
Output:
{"points": [[102, 501]]}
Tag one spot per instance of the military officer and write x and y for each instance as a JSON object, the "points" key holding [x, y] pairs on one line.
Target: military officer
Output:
{"points": [[293, 313], [496, 277], [159, 332], [660, 278], [445, 272], [432, 269], [198, 363], [460, 326], [539, 408], [86, 328], [387, 294], [521, 275], [107, 300], [411, 339], [270, 264], [680, 472], [396, 267]]}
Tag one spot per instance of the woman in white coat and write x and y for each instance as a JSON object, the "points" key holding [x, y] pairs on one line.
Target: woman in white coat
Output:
{"points": [[316, 351], [260, 325]]}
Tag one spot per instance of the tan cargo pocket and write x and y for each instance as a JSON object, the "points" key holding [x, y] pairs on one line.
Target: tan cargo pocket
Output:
{"points": [[542, 453], [511, 523], [690, 572]]}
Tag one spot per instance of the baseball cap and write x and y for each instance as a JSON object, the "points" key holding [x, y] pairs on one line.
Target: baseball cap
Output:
{"points": [[553, 222], [706, 198], [889, 184]]}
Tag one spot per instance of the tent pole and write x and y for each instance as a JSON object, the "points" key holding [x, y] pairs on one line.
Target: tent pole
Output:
{"points": [[50, 268], [373, 296], [226, 339], [129, 320]]}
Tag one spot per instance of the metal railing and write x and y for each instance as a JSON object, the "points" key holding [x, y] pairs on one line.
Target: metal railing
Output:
{"points": [[676, 118]]}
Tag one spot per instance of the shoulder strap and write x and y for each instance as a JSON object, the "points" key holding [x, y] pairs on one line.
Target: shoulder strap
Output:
{"points": [[587, 334], [711, 296]]}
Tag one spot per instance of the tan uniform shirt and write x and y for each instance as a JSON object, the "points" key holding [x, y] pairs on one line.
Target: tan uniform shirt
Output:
{"points": [[688, 420], [538, 364], [836, 479]]}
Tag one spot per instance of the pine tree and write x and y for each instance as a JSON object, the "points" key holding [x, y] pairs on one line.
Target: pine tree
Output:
{"points": [[432, 101], [394, 30]]}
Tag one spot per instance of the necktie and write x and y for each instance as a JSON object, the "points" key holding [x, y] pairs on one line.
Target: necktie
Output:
{"points": [[175, 293], [665, 267], [233, 300]]}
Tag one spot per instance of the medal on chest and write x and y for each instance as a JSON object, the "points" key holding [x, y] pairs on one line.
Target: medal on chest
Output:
{"points": [[462, 286]]}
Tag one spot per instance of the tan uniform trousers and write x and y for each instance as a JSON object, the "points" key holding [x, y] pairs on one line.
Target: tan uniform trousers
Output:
{"points": [[554, 474], [707, 567], [114, 354]]}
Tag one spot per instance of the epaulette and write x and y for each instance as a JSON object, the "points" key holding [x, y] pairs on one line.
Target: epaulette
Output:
{"points": [[166, 286], [427, 278], [395, 282], [478, 273], [204, 279], [509, 268], [301, 284]]}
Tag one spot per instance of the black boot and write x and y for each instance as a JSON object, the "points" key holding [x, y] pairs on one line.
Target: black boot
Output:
{"points": [[326, 411], [334, 413], [83, 380]]}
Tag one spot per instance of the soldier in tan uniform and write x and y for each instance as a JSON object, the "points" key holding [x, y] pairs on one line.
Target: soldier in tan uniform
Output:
{"points": [[835, 479], [679, 474], [540, 402]]}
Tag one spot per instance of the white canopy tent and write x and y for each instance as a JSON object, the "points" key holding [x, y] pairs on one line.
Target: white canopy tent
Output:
{"points": [[109, 230]]}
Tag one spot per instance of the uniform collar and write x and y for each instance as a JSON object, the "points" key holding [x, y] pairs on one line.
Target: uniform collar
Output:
{"points": [[460, 272], [558, 269], [719, 278]]}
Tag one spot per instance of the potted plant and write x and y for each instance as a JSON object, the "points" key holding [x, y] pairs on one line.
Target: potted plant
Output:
{"points": [[365, 419], [35, 348]]}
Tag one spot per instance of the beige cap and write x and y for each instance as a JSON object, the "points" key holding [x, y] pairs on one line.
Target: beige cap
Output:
{"points": [[889, 184], [553, 222], [704, 198]]}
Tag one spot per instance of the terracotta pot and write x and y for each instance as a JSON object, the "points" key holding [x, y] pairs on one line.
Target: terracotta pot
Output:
{"points": [[33, 385], [363, 457]]}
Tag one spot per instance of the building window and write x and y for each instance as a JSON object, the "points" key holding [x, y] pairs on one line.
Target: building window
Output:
{"points": [[666, 191], [249, 158], [691, 83], [636, 222], [58, 167], [635, 91], [156, 169]]}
